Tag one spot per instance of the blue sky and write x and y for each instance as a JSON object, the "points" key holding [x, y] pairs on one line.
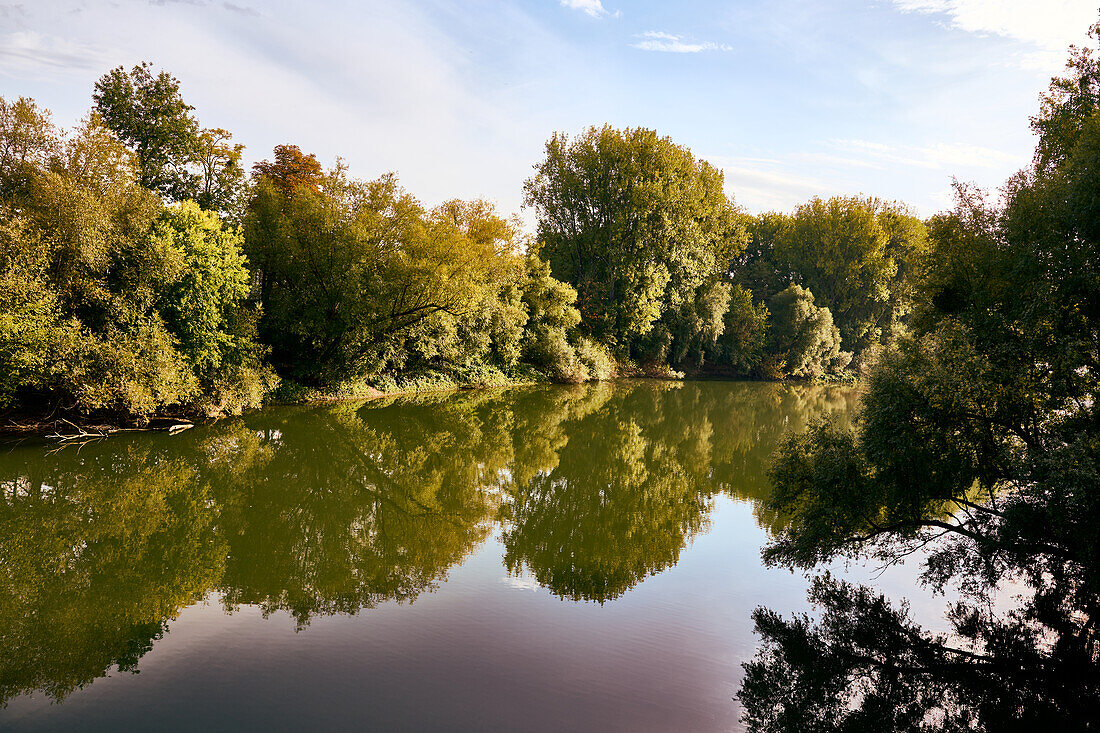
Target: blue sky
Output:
{"points": [[791, 99]]}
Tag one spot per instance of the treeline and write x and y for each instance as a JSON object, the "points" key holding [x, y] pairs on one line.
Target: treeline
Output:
{"points": [[143, 270]]}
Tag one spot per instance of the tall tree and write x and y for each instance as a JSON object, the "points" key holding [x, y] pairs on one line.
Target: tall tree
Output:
{"points": [[177, 158], [148, 113], [634, 222], [854, 254]]}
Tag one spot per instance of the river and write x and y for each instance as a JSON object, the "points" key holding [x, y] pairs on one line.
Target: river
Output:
{"points": [[537, 559]]}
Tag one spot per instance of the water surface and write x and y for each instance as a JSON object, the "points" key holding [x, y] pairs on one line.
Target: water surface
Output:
{"points": [[542, 559]]}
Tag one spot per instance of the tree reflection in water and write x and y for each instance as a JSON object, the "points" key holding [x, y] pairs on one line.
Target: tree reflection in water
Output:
{"points": [[338, 508]]}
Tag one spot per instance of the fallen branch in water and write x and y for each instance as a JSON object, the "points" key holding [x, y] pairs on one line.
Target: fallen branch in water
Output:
{"points": [[66, 431], [80, 434]]}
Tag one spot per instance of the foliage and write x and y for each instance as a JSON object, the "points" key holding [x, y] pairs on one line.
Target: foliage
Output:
{"points": [[850, 253], [979, 439], [634, 222], [148, 114], [291, 170], [551, 316], [109, 302], [27, 140], [744, 333], [356, 277], [802, 335], [175, 157], [758, 269], [203, 307]]}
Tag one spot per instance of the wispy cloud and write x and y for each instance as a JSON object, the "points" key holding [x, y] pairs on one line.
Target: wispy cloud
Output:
{"points": [[851, 166], [241, 9], [1052, 24], [669, 43], [770, 185], [12, 10], [593, 8], [937, 156], [29, 52]]}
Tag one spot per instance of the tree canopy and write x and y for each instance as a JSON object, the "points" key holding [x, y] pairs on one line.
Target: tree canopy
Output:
{"points": [[634, 222], [978, 442]]}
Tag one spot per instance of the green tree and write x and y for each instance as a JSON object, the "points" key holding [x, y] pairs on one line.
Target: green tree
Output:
{"points": [[758, 268], [634, 222], [203, 305], [356, 277], [854, 254], [548, 342], [148, 113], [744, 335], [979, 442], [176, 158], [802, 337], [107, 301]]}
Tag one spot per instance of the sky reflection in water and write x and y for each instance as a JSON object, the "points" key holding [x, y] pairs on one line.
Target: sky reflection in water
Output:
{"points": [[549, 558]]}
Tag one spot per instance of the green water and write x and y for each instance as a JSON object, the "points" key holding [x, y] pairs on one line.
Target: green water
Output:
{"points": [[549, 558]]}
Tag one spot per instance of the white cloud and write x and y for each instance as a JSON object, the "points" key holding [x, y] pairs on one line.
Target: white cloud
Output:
{"points": [[29, 52], [935, 156], [1050, 24], [847, 167], [593, 8], [668, 43], [769, 185]]}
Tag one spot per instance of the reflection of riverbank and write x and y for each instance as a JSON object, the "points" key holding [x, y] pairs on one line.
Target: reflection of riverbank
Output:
{"points": [[330, 509]]}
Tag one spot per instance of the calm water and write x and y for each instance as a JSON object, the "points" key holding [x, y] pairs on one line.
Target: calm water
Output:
{"points": [[540, 559]]}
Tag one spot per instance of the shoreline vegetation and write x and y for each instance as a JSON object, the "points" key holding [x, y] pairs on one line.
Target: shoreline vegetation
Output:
{"points": [[146, 275]]}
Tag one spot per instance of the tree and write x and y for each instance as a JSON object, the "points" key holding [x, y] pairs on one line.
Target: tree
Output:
{"points": [[221, 179], [634, 222], [357, 276], [177, 159], [978, 441], [109, 303], [203, 305], [802, 336], [854, 254], [551, 315], [758, 268], [290, 170], [27, 139], [148, 113], [741, 345]]}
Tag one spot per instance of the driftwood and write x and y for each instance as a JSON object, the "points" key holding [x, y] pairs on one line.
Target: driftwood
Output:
{"points": [[66, 431], [78, 434]]}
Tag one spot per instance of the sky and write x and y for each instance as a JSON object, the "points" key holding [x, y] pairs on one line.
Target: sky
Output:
{"points": [[791, 99]]}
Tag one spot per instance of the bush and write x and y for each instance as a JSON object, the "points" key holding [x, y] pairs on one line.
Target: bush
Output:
{"points": [[804, 335], [596, 360]]}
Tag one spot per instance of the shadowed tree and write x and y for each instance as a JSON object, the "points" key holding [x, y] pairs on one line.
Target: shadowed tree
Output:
{"points": [[978, 445]]}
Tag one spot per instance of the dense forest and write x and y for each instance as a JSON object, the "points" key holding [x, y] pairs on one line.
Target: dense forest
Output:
{"points": [[145, 271]]}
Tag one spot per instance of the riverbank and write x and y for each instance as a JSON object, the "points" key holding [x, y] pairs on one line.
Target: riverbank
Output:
{"points": [[69, 427]]}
